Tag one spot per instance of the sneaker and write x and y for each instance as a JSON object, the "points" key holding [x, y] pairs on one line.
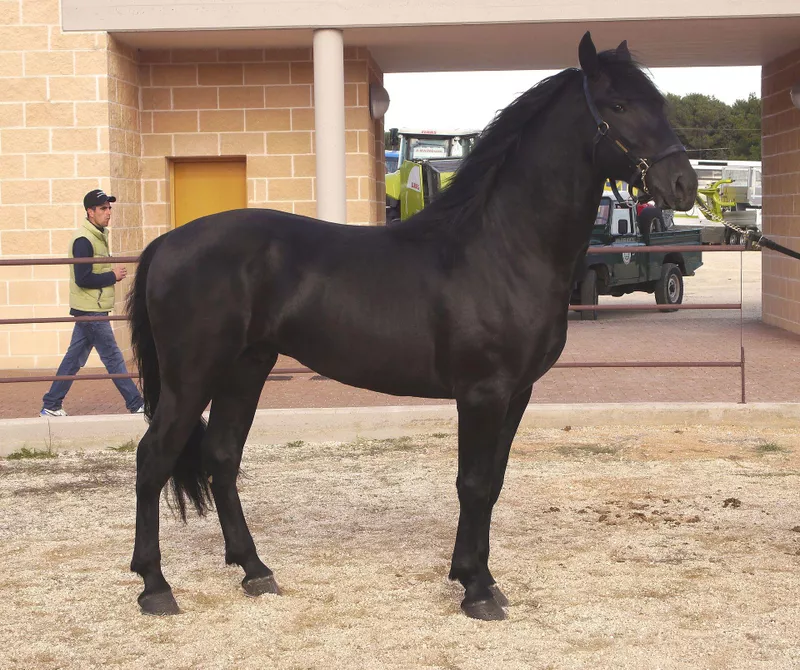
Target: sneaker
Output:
{"points": [[139, 411], [52, 412]]}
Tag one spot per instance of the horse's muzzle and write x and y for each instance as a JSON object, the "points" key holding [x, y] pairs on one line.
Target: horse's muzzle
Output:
{"points": [[684, 189], [673, 183]]}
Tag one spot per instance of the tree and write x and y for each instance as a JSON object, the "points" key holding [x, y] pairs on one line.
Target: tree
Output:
{"points": [[746, 119], [709, 128]]}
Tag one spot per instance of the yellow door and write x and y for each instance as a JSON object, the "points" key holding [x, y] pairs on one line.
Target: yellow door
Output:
{"points": [[207, 187]]}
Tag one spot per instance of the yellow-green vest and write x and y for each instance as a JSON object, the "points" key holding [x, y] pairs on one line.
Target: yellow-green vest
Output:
{"points": [[91, 299]]}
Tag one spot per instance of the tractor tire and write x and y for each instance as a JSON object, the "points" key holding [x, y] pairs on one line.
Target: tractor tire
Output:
{"points": [[589, 295], [669, 287]]}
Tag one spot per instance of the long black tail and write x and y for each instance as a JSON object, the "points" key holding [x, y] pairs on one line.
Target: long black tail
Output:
{"points": [[189, 477]]}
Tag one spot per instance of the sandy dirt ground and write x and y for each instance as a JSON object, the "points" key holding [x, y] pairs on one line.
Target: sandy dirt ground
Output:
{"points": [[674, 547]]}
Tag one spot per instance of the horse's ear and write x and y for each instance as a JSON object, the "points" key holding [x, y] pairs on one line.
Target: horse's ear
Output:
{"points": [[622, 51], [587, 55]]}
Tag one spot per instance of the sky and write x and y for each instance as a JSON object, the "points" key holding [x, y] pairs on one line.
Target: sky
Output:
{"points": [[469, 100]]}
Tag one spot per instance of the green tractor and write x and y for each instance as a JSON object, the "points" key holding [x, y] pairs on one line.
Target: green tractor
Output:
{"points": [[717, 202], [427, 161]]}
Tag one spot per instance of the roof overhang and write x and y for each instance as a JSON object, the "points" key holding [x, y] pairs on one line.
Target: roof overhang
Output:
{"points": [[519, 46]]}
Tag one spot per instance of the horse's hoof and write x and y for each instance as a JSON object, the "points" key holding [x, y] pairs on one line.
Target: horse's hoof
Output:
{"points": [[485, 610], [498, 595], [258, 586], [162, 603]]}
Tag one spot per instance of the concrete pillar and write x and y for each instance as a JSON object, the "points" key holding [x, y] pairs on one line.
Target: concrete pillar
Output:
{"points": [[329, 125]]}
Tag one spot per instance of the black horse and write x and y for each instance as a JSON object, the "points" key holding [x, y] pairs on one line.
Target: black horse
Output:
{"points": [[466, 300]]}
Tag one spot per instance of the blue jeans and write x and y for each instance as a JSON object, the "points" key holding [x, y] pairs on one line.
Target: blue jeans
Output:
{"points": [[85, 336]]}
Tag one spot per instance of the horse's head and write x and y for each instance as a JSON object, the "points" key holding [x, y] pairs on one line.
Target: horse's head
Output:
{"points": [[633, 139]]}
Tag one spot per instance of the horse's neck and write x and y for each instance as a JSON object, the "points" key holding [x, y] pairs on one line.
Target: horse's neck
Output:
{"points": [[546, 198]]}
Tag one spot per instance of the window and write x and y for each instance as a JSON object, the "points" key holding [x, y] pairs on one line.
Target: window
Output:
{"points": [[421, 148], [603, 212]]}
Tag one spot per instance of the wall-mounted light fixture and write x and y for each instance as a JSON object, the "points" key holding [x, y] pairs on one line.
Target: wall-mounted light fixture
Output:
{"points": [[378, 101], [795, 93]]}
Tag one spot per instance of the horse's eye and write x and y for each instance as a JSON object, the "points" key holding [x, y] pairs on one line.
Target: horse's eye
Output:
{"points": [[618, 108]]}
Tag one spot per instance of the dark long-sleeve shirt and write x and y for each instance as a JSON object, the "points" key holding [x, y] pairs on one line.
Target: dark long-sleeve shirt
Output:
{"points": [[84, 277]]}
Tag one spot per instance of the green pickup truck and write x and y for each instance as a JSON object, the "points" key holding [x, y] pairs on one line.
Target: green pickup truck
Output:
{"points": [[616, 273]]}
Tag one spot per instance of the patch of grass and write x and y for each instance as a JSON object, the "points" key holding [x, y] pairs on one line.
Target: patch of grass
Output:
{"points": [[584, 449], [25, 453], [405, 443], [440, 435], [126, 447], [769, 448], [295, 443], [368, 447], [87, 473]]}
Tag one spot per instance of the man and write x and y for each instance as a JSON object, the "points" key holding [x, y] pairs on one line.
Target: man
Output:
{"points": [[91, 293]]}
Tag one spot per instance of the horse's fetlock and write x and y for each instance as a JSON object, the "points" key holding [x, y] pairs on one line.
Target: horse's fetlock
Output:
{"points": [[242, 557], [462, 571], [457, 576], [142, 566], [476, 591]]}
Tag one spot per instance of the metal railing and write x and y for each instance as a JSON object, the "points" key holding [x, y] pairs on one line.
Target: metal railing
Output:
{"points": [[740, 363]]}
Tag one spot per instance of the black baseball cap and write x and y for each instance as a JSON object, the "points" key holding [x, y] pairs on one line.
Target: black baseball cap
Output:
{"points": [[96, 198]]}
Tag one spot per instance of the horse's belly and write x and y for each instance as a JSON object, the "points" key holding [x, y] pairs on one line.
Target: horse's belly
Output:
{"points": [[397, 372], [384, 379]]}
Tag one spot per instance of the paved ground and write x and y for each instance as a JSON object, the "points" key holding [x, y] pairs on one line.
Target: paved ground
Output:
{"points": [[772, 357]]}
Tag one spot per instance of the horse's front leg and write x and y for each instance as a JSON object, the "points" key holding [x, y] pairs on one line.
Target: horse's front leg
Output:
{"points": [[516, 409], [481, 417]]}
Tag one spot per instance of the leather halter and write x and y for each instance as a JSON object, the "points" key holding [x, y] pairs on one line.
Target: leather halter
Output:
{"points": [[640, 164]]}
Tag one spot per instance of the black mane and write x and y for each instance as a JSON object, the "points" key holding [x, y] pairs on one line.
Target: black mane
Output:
{"points": [[468, 192]]}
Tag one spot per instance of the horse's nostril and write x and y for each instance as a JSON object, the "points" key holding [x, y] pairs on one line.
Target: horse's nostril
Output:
{"points": [[681, 188]]}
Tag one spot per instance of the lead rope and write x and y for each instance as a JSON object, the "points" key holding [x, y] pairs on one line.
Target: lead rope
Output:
{"points": [[711, 216], [758, 240]]}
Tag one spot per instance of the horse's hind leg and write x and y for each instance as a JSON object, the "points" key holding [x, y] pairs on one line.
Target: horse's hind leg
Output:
{"points": [[176, 417], [233, 406]]}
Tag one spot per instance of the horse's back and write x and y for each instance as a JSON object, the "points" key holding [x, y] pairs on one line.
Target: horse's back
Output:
{"points": [[351, 302]]}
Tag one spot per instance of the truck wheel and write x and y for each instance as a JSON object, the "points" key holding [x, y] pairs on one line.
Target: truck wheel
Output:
{"points": [[669, 287], [589, 295]]}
